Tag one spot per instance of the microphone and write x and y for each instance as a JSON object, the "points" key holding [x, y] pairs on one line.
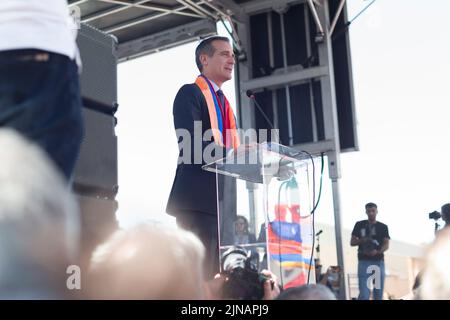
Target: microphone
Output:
{"points": [[251, 95]]}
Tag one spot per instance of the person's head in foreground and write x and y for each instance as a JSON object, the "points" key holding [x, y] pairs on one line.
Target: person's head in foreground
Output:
{"points": [[148, 262], [435, 277], [445, 210], [307, 292], [39, 222]]}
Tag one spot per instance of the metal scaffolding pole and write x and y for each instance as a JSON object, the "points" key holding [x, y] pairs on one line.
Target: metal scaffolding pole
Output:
{"points": [[332, 132]]}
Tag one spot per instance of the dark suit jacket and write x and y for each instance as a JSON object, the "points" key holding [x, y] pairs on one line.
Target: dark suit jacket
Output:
{"points": [[193, 189]]}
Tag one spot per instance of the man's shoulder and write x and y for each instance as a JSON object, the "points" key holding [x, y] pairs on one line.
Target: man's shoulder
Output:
{"points": [[360, 223], [189, 89], [382, 225]]}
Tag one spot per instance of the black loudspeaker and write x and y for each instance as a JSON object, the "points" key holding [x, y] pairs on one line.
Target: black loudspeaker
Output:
{"points": [[96, 168], [95, 179], [98, 79], [300, 51]]}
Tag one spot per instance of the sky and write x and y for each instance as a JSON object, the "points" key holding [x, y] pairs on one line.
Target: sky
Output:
{"points": [[401, 73]]}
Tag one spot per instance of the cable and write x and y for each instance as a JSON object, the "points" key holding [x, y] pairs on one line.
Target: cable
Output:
{"points": [[336, 34], [361, 12], [320, 183], [314, 210], [312, 247], [279, 223], [236, 42], [312, 213], [228, 30], [314, 182], [279, 233]]}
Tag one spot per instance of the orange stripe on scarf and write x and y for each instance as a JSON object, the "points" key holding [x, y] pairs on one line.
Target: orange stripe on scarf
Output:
{"points": [[235, 142]]}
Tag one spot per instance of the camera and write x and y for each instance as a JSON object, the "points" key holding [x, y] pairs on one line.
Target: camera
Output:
{"points": [[334, 275], [368, 246], [434, 215], [244, 281]]}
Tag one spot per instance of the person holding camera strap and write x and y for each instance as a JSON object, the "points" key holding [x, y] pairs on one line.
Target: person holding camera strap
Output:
{"points": [[372, 238]]}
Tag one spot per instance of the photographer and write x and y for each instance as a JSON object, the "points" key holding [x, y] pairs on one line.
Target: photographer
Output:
{"points": [[215, 288], [240, 278], [372, 239], [330, 278]]}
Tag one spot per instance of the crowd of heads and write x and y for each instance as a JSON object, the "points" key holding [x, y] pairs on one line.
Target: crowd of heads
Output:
{"points": [[39, 239]]}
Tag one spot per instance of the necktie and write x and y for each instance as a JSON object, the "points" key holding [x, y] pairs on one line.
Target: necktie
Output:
{"points": [[221, 98]]}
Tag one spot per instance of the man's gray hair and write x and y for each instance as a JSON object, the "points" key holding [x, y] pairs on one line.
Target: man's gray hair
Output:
{"points": [[307, 292], [435, 280], [206, 47], [39, 221], [148, 262]]}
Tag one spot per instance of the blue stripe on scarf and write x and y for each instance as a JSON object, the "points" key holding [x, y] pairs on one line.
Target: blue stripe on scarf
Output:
{"points": [[218, 111]]}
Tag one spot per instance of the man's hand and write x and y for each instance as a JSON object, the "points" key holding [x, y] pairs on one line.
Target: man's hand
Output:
{"points": [[364, 239], [373, 253], [242, 149], [245, 147], [271, 288], [356, 241], [285, 172]]}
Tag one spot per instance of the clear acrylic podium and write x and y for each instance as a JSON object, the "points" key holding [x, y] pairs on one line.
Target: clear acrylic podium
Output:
{"points": [[264, 206]]}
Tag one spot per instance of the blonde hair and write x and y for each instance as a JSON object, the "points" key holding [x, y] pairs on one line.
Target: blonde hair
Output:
{"points": [[148, 262], [39, 219], [435, 281]]}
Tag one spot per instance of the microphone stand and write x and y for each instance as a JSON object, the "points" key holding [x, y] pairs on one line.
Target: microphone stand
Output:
{"points": [[318, 246], [252, 97]]}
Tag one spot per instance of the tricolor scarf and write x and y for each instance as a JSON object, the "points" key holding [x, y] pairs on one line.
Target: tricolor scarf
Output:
{"points": [[223, 121]]}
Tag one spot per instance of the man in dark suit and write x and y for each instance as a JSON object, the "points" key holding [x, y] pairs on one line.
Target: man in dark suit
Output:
{"points": [[198, 108]]}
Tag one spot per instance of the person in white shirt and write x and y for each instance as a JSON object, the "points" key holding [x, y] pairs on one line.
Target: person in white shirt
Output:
{"points": [[39, 82]]}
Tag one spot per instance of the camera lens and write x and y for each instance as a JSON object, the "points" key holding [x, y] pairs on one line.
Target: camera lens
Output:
{"points": [[233, 261], [434, 215], [233, 258]]}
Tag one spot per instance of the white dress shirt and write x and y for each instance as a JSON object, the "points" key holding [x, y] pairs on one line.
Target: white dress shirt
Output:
{"points": [[215, 86]]}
